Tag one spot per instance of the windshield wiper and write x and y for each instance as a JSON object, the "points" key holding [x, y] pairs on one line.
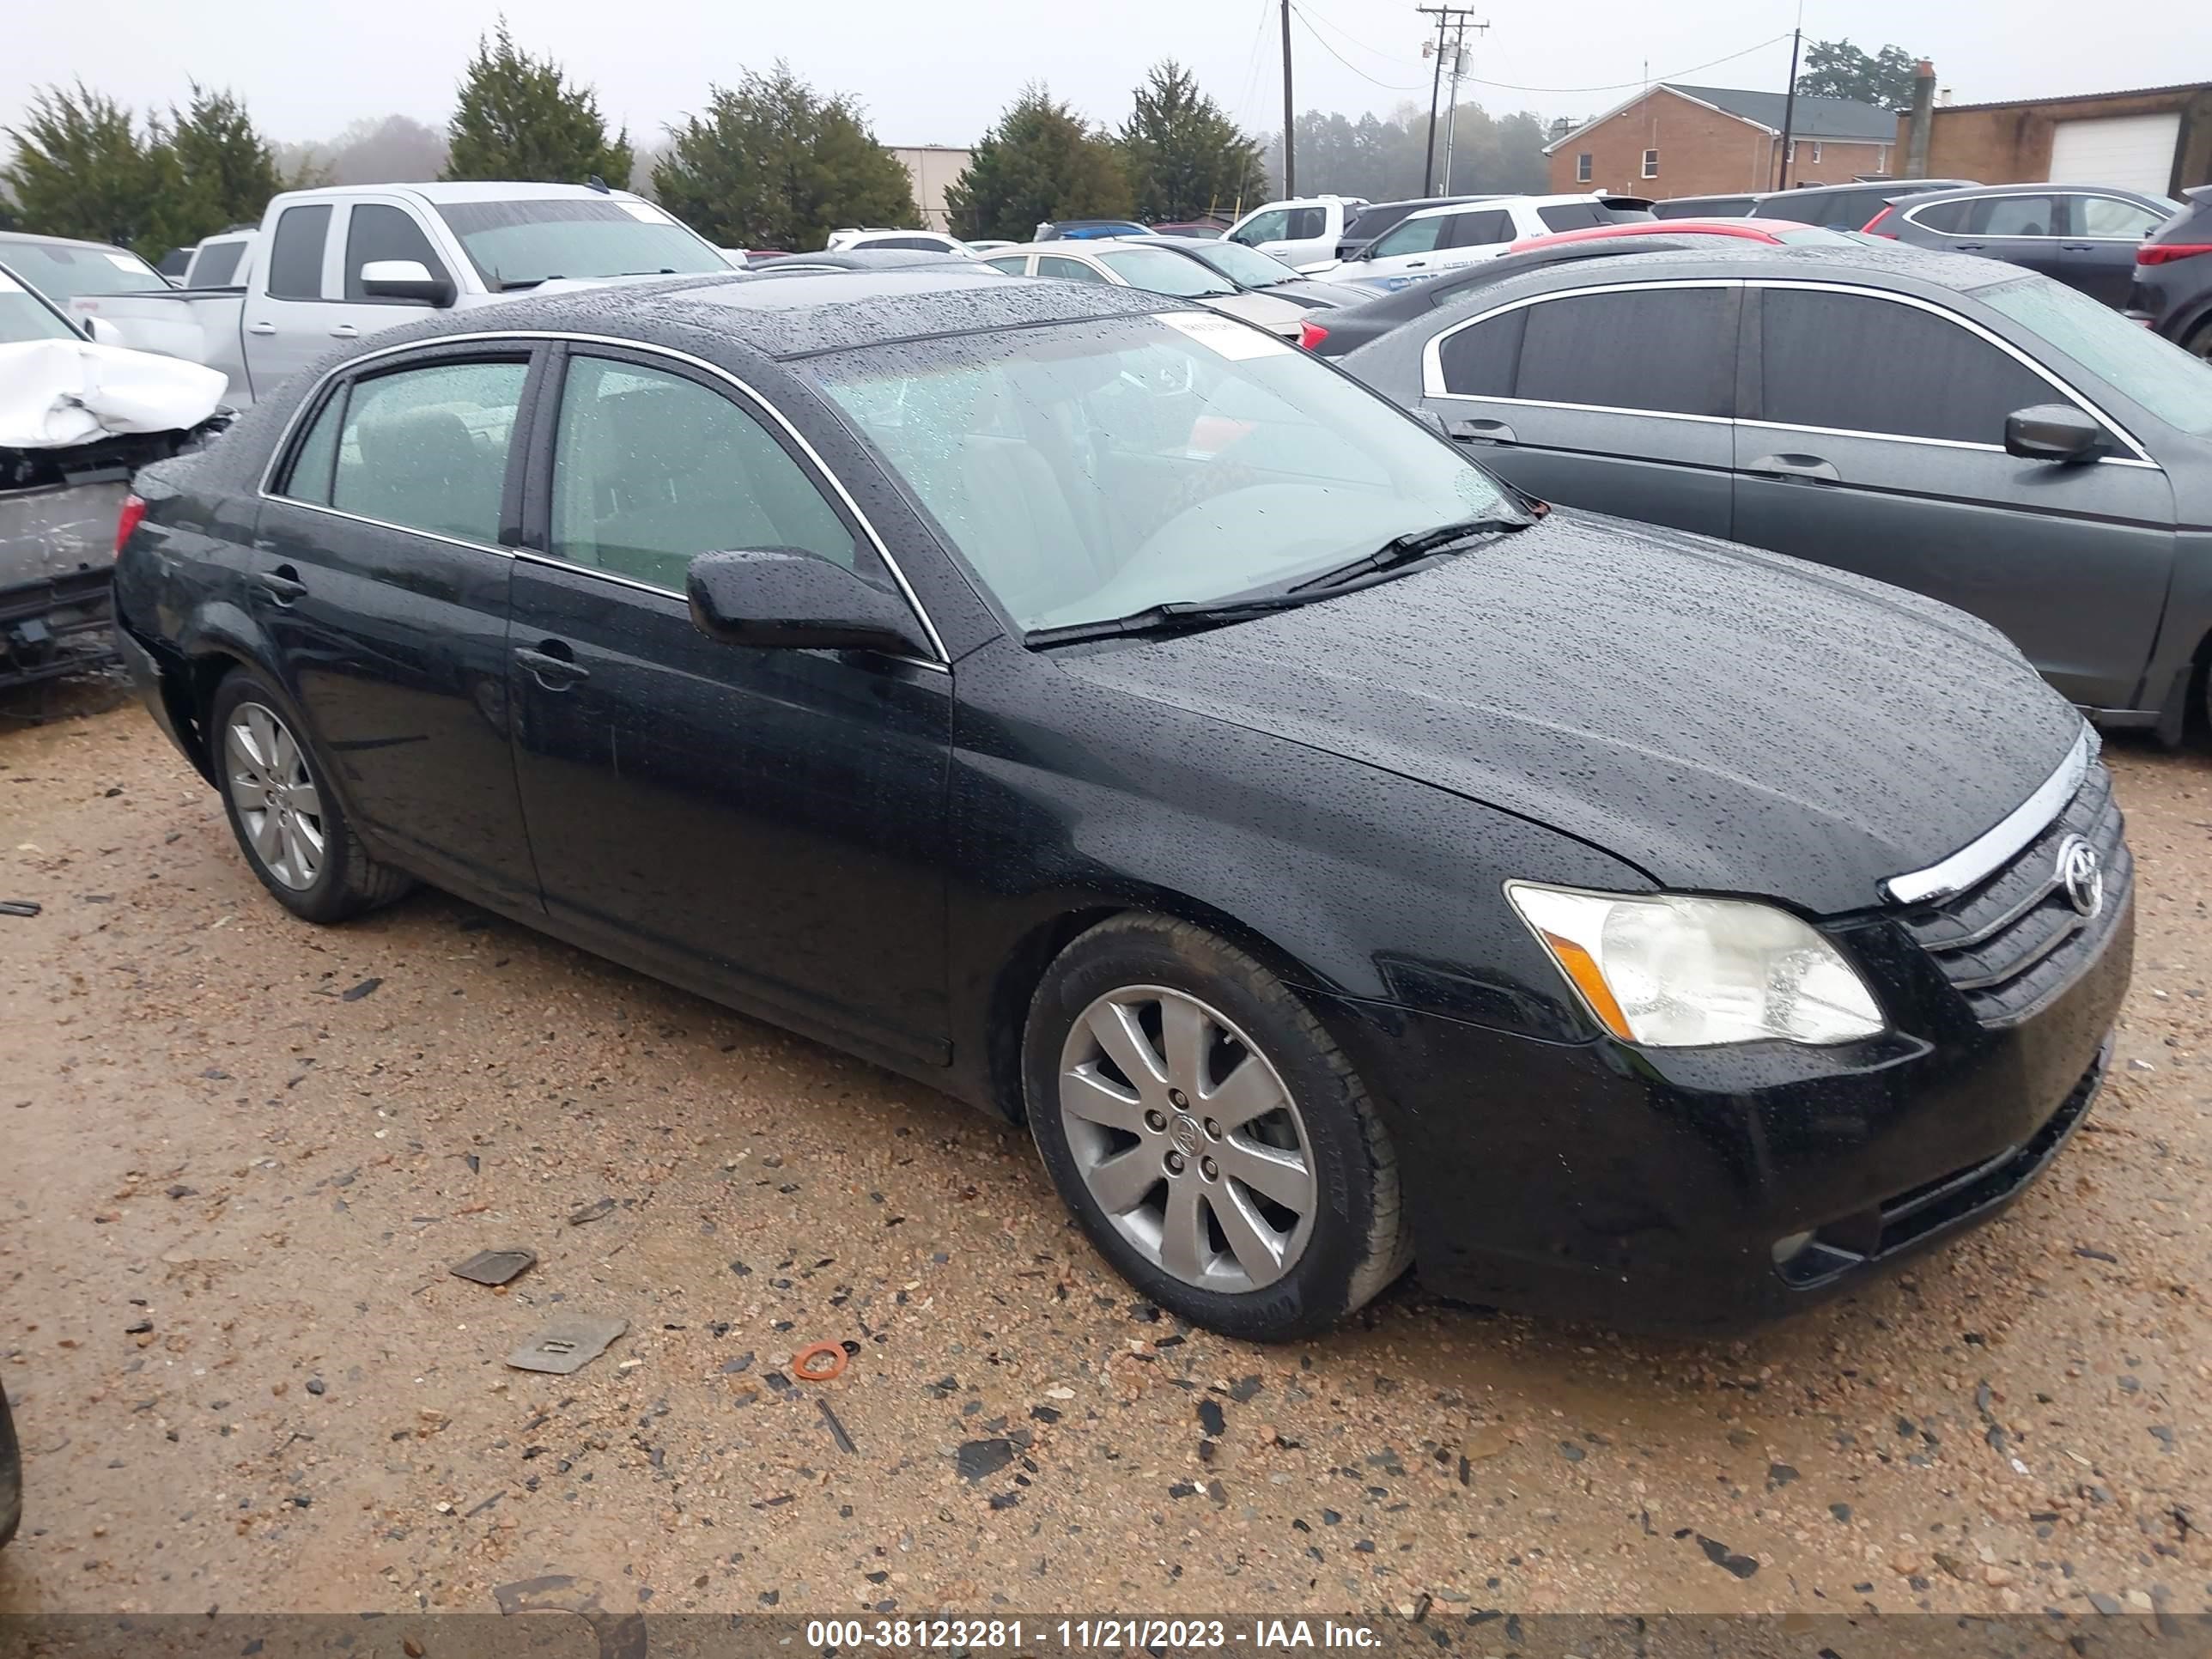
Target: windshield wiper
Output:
{"points": [[1405, 549], [1178, 615]]}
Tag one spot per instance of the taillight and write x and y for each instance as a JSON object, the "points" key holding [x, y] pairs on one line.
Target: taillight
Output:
{"points": [[2165, 254], [133, 514], [1873, 226], [1310, 335]]}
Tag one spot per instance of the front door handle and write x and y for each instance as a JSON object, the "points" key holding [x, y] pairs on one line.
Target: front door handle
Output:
{"points": [[1417, 265], [1970, 248], [553, 663], [1474, 431], [1795, 469], [261, 328], [2079, 247], [282, 584], [345, 331]]}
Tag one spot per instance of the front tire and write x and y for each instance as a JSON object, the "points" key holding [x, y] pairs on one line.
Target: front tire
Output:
{"points": [[1213, 1142], [11, 1475], [288, 823]]}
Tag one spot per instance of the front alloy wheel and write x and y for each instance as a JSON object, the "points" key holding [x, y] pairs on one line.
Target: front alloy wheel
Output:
{"points": [[1187, 1139]]}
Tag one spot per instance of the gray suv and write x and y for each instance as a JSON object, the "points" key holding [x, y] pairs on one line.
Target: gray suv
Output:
{"points": [[1949, 424]]}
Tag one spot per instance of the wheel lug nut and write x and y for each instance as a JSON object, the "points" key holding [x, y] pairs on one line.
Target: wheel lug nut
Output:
{"points": [[1155, 1120], [1175, 1163], [1207, 1168], [1213, 1129], [1178, 1099]]}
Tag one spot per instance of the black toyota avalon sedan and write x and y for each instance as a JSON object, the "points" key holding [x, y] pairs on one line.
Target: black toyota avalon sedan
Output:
{"points": [[1124, 721]]}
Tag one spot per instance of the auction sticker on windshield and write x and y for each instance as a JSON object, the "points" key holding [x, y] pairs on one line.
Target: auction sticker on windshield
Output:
{"points": [[1233, 340]]}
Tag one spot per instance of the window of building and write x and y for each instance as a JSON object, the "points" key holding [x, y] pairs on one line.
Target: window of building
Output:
{"points": [[1583, 168], [1651, 164]]}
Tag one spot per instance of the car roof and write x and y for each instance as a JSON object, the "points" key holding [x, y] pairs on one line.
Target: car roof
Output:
{"points": [[20, 237], [441, 191], [1899, 186], [1880, 264], [1531, 201], [1967, 192]]}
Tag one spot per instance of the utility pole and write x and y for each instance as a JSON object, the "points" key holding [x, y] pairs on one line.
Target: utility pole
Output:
{"points": [[1290, 112], [1451, 108], [1446, 17], [1789, 106]]}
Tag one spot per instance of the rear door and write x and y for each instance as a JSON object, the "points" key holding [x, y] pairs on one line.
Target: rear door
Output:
{"points": [[1470, 239], [1614, 398], [1901, 474], [2024, 230], [2102, 234], [294, 311], [380, 571]]}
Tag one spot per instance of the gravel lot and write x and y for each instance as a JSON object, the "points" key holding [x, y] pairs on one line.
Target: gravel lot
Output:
{"points": [[242, 1154]]}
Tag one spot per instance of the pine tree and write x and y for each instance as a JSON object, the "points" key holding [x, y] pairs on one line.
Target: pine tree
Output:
{"points": [[81, 169], [773, 163], [1041, 162], [1183, 155], [226, 172], [518, 117]]}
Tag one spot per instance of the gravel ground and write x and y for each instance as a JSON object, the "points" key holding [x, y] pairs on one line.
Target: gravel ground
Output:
{"points": [[242, 1153]]}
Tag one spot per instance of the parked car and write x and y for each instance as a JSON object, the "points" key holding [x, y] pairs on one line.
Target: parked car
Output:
{"points": [[61, 489], [1436, 239], [1256, 272], [172, 265], [401, 250], [219, 261], [1300, 233], [1956, 426], [1098, 710], [1158, 267], [1196, 230], [2172, 290], [1347, 329], [1085, 229], [11, 1475], [1843, 207], [2085, 237], [911, 241], [61, 268], [1703, 207], [859, 258], [990, 244], [1774, 232], [1372, 220]]}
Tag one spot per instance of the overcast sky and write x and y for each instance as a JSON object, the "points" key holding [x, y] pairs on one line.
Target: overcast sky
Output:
{"points": [[937, 71]]}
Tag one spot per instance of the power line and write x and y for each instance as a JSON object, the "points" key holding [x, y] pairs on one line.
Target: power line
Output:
{"points": [[1621, 86], [1387, 86], [1347, 37]]}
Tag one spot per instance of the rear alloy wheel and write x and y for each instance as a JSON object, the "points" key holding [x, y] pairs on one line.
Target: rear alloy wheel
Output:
{"points": [[2201, 342], [1212, 1140], [291, 829]]}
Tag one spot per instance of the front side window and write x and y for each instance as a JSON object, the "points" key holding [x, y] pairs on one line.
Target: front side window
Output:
{"points": [[519, 244], [1410, 236], [1271, 226], [1667, 349], [2110, 218], [378, 231], [1158, 271], [1089, 470], [295, 257], [426, 448], [1937, 379], [650, 470], [1582, 167]]}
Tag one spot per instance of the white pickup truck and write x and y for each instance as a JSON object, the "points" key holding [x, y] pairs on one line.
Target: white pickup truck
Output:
{"points": [[329, 265]]}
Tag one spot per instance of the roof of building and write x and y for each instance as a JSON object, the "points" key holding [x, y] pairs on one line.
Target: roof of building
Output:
{"points": [[1843, 119], [2081, 97]]}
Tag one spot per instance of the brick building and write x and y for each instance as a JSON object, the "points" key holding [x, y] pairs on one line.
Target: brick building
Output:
{"points": [[1676, 140], [2157, 139]]}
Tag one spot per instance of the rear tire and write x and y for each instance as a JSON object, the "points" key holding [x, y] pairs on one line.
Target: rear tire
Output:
{"points": [[1212, 1140], [287, 821], [11, 1475], [2200, 342]]}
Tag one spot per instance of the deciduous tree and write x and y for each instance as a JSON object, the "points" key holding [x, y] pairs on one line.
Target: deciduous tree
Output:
{"points": [[1836, 69]]}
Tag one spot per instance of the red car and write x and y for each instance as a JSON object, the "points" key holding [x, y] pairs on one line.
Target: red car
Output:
{"points": [[1747, 230]]}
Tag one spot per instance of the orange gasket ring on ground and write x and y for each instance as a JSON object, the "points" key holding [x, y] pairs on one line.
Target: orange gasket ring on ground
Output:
{"points": [[803, 1367]]}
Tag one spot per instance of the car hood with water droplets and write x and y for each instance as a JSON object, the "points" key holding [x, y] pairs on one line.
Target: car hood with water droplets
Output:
{"points": [[1726, 720]]}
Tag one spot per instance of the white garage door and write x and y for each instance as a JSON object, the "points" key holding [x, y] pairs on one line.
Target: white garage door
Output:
{"points": [[2129, 152]]}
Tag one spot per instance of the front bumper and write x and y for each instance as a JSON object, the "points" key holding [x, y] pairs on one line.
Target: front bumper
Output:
{"points": [[1648, 1189]]}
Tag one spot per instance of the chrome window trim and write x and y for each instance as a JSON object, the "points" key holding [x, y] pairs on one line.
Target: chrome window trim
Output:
{"points": [[533, 336], [1433, 372], [1933, 443], [2002, 842], [1586, 408]]}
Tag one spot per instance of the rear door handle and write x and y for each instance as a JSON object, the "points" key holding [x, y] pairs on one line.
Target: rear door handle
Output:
{"points": [[1474, 431], [2079, 247], [1970, 248], [261, 328], [282, 584], [1795, 469], [553, 663], [345, 331]]}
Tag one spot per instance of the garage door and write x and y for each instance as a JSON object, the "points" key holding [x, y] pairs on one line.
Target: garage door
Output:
{"points": [[2129, 152]]}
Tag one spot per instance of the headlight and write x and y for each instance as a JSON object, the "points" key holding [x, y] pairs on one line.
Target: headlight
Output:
{"points": [[1678, 972]]}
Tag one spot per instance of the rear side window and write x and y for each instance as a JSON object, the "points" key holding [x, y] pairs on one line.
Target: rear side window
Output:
{"points": [[1479, 229], [215, 267], [1482, 361], [426, 448], [1015, 265], [651, 470], [922, 244], [1936, 379], [2014, 215], [317, 454], [380, 232], [295, 257], [1667, 349], [1574, 216], [1071, 270], [1308, 224], [1944, 218]]}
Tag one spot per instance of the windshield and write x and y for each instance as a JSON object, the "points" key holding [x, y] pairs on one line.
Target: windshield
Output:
{"points": [[516, 244], [1090, 469], [1157, 270], [62, 270], [1246, 265], [2159, 375], [24, 316]]}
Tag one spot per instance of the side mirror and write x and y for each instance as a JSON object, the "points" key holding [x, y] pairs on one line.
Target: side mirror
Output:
{"points": [[405, 279], [774, 596], [100, 331], [2053, 431]]}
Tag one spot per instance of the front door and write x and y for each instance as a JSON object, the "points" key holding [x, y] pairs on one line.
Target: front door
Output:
{"points": [[2102, 235], [764, 825], [1878, 446], [293, 314], [1613, 399], [380, 575]]}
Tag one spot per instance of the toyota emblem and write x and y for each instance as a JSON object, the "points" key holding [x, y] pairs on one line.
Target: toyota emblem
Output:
{"points": [[2081, 873]]}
